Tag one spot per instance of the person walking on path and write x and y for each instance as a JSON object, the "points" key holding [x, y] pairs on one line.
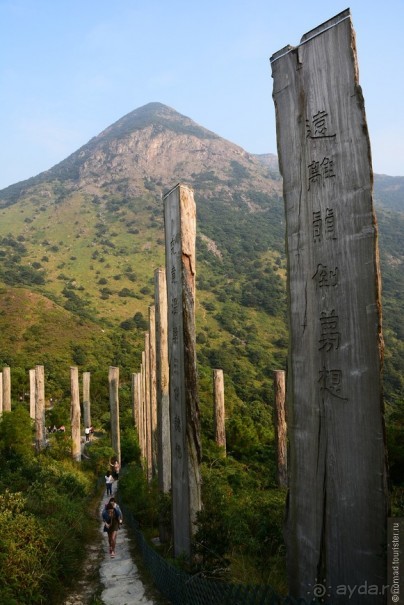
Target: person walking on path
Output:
{"points": [[120, 576], [108, 483], [112, 526], [112, 517], [117, 509]]}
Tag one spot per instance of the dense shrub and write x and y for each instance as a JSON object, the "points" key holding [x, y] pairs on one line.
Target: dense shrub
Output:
{"points": [[24, 569], [100, 454], [140, 496], [248, 520], [130, 450], [140, 322], [16, 433], [44, 506]]}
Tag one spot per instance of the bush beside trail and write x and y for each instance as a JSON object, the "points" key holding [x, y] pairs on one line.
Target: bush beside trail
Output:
{"points": [[45, 513]]}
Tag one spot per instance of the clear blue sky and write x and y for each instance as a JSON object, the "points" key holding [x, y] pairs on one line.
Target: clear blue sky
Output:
{"points": [[70, 68]]}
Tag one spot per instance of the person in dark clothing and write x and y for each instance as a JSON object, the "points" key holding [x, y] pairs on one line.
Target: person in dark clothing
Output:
{"points": [[112, 526]]}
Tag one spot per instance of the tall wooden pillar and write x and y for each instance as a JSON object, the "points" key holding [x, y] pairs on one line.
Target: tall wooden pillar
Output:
{"points": [[337, 505], [135, 401], [40, 430], [153, 386], [280, 427], [139, 400], [86, 399], [1, 392], [32, 393], [6, 389], [162, 379], [180, 233], [75, 414], [113, 381], [148, 414], [219, 415], [143, 409]]}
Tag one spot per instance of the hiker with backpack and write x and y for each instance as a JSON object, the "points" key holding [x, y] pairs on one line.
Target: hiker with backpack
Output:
{"points": [[112, 517]]}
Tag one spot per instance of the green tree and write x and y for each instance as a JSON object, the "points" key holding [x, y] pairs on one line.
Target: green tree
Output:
{"points": [[140, 321], [16, 433]]}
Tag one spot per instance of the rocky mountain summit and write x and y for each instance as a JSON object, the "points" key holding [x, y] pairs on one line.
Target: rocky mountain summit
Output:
{"points": [[156, 145]]}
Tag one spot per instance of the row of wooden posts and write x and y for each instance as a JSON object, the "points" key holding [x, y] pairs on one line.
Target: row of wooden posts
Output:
{"points": [[166, 403], [164, 392], [37, 405], [165, 395], [150, 400]]}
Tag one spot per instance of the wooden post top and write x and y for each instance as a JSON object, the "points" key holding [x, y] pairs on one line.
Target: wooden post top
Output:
{"points": [[346, 14], [178, 186]]}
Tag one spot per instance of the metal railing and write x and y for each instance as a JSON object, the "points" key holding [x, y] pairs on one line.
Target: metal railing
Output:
{"points": [[181, 588]]}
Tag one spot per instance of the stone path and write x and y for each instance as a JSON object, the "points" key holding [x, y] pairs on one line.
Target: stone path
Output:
{"points": [[115, 581], [120, 576]]}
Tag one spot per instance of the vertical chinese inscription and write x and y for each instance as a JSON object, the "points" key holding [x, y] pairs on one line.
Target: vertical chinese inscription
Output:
{"points": [[324, 231], [317, 129]]}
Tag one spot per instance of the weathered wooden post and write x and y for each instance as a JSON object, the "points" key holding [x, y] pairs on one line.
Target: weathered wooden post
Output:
{"points": [[280, 427], [6, 389], [135, 401], [219, 416], [86, 399], [1, 392], [40, 430], [113, 381], [148, 420], [136, 406], [337, 505], [180, 233], [139, 400], [162, 379], [163, 395], [32, 393], [75, 414], [153, 386], [143, 408]]}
